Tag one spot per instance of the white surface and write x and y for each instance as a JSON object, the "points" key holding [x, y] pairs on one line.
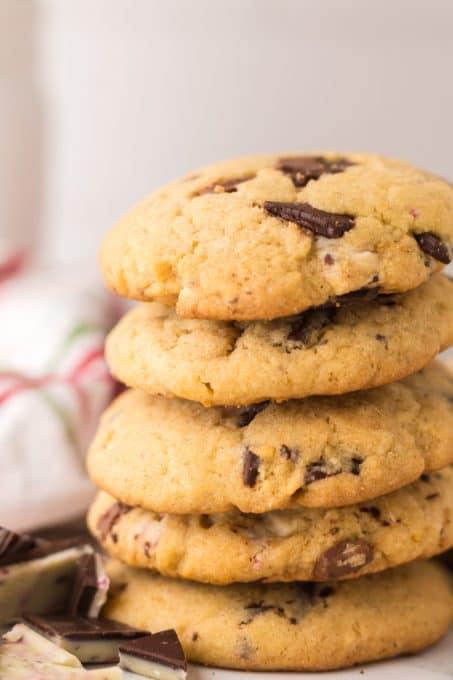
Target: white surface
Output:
{"points": [[101, 102], [435, 663]]}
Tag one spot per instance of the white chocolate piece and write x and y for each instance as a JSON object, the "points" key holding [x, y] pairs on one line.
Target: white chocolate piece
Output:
{"points": [[38, 586], [103, 583], [26, 655], [150, 669]]}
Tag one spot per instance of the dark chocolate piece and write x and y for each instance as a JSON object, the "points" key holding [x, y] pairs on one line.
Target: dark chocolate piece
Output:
{"points": [[162, 648], [318, 222], [251, 467], [16, 548], [355, 296], [77, 627], [302, 169], [84, 588], [291, 453], [342, 559], [432, 245], [108, 520], [229, 186], [308, 328], [248, 413]]}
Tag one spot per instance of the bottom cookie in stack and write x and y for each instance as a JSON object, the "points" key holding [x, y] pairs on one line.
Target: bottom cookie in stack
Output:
{"points": [[295, 626]]}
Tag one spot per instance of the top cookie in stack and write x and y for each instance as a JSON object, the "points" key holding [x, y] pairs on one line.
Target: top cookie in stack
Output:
{"points": [[266, 237]]}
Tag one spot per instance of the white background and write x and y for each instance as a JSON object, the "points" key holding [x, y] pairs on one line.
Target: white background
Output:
{"points": [[101, 101]]}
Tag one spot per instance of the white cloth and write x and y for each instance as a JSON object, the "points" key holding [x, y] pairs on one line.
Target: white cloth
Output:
{"points": [[54, 384]]}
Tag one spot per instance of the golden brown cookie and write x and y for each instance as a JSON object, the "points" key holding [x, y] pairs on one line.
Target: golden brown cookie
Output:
{"points": [[283, 545], [330, 351], [269, 236], [176, 456], [297, 626]]}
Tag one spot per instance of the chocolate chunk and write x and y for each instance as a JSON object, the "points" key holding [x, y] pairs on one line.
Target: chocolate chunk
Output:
{"points": [[290, 453], [90, 640], [228, 186], [308, 328], [108, 520], [355, 296], [205, 522], [251, 465], [322, 468], [254, 609], [159, 650], [432, 496], [326, 591], [318, 222], [380, 337], [432, 245], [302, 169], [356, 464], [373, 511], [247, 414], [318, 470], [342, 559]]}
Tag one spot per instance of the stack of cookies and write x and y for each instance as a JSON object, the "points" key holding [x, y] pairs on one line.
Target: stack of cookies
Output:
{"points": [[283, 464]]}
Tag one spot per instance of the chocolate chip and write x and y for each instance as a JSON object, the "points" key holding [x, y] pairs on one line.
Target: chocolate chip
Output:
{"points": [[205, 522], [380, 337], [432, 496], [247, 414], [318, 222], [251, 464], [308, 328], [373, 511], [228, 186], [147, 549], [326, 591], [318, 470], [356, 464], [290, 453], [355, 296], [108, 520], [322, 468], [254, 609], [302, 169], [433, 246], [342, 559], [195, 637], [425, 478], [329, 259]]}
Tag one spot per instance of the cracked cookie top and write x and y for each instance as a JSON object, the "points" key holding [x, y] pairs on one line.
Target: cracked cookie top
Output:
{"points": [[271, 236]]}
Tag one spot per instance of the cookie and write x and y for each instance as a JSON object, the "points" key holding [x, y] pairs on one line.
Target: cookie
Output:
{"points": [[176, 456], [298, 626], [271, 236], [283, 545], [322, 352]]}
